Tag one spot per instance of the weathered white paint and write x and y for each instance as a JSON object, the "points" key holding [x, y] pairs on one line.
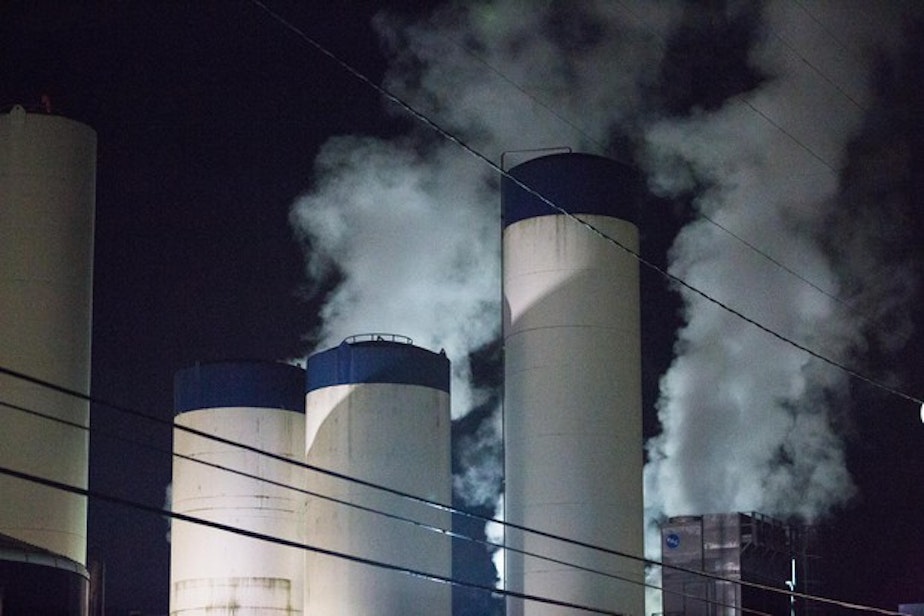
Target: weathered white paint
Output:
{"points": [[395, 435], [214, 572]]}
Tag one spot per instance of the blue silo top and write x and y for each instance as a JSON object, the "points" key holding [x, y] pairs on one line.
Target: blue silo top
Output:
{"points": [[377, 359], [577, 183], [258, 384]]}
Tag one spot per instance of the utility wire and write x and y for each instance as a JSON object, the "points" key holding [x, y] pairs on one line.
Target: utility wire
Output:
{"points": [[743, 99], [442, 579], [827, 30], [793, 139], [675, 279], [60, 420], [280, 484], [422, 525], [471, 151], [819, 72], [417, 523], [411, 497], [345, 503], [777, 262], [451, 137], [444, 507]]}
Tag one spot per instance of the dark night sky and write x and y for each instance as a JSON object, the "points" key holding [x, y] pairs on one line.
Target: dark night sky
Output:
{"points": [[209, 116]]}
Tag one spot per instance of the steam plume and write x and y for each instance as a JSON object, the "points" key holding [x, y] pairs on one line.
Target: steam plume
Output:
{"points": [[747, 422], [757, 413], [413, 236]]}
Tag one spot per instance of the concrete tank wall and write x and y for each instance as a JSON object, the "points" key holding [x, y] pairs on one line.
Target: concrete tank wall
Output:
{"points": [[217, 572], [47, 200], [572, 400], [378, 410]]}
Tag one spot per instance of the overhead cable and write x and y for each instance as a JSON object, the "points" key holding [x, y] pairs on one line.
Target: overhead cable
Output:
{"points": [[425, 526], [295, 544], [423, 501]]}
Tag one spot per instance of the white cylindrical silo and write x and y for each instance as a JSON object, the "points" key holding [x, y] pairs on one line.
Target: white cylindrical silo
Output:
{"points": [[47, 201], [572, 393], [377, 409], [214, 571]]}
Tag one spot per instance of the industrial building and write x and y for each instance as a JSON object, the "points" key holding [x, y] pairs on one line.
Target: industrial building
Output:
{"points": [[746, 547], [47, 194]]}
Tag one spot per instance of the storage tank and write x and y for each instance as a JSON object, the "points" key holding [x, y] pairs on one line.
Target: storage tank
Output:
{"points": [[572, 393], [47, 200], [259, 404], [377, 409]]}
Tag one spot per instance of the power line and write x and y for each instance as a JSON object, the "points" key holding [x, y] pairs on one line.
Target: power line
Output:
{"points": [[430, 527], [485, 519], [819, 72], [34, 413], [447, 532], [344, 477], [521, 185], [451, 137], [750, 245], [777, 262]]}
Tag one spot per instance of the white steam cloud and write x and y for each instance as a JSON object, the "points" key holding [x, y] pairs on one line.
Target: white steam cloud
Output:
{"points": [[748, 421], [414, 237], [412, 225]]}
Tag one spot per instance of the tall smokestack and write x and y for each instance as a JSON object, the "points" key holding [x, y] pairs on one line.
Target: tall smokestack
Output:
{"points": [[213, 571], [572, 399], [47, 202], [377, 409]]}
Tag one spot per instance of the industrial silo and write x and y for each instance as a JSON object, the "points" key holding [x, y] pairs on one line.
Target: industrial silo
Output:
{"points": [[47, 200], [212, 571], [377, 410], [572, 393]]}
